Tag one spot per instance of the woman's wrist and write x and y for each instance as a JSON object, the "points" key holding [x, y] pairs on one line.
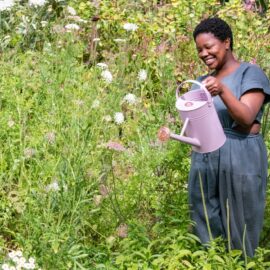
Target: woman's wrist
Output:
{"points": [[221, 89]]}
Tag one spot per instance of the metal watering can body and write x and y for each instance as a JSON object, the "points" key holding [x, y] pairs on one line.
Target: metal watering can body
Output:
{"points": [[201, 128]]}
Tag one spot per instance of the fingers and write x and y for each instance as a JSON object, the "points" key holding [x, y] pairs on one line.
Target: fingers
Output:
{"points": [[212, 85]]}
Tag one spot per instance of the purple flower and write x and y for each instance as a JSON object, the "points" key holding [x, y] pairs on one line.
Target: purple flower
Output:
{"points": [[115, 146], [122, 230], [253, 61]]}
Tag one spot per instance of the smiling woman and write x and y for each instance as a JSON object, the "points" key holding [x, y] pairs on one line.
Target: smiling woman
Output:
{"points": [[234, 176]]}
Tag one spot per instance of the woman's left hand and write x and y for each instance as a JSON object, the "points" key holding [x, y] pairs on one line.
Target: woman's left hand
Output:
{"points": [[213, 85]]}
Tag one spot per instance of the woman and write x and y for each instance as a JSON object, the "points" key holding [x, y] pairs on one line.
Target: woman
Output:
{"points": [[234, 176]]}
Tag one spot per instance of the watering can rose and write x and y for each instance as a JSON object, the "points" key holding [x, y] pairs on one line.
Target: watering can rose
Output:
{"points": [[163, 134]]}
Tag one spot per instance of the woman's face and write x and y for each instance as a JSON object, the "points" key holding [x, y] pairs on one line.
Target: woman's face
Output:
{"points": [[211, 50]]}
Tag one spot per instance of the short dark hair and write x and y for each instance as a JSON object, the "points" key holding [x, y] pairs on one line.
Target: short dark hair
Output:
{"points": [[216, 26]]}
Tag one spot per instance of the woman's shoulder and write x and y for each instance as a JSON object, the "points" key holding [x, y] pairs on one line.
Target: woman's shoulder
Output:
{"points": [[252, 69]]}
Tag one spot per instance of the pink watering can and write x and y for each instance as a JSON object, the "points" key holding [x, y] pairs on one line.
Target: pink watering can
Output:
{"points": [[201, 126]]}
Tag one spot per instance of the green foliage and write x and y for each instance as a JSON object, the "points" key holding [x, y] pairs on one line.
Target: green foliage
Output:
{"points": [[28, 26]]}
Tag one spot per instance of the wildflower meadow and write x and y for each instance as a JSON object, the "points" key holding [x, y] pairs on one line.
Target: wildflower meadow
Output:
{"points": [[85, 182]]}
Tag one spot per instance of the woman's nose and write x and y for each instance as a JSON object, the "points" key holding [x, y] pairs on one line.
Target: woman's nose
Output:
{"points": [[203, 53]]}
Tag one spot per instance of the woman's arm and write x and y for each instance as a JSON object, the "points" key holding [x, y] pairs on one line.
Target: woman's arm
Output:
{"points": [[243, 111]]}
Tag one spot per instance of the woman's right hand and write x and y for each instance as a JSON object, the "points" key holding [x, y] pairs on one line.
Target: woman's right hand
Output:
{"points": [[213, 85]]}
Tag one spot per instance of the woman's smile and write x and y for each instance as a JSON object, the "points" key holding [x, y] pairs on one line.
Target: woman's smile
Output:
{"points": [[211, 50], [209, 60]]}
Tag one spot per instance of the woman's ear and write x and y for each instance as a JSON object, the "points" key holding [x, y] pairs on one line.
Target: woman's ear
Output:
{"points": [[227, 42]]}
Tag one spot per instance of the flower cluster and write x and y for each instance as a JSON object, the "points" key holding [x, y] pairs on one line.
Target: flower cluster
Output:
{"points": [[130, 98], [122, 230], [102, 65], [95, 104], [130, 27], [50, 137], [6, 4], [17, 261], [115, 146], [107, 76], [29, 153], [142, 75], [119, 118], [71, 11], [72, 26], [37, 3], [119, 40], [54, 186]]}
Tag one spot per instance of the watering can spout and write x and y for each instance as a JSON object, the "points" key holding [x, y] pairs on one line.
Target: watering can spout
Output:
{"points": [[181, 138], [185, 139]]}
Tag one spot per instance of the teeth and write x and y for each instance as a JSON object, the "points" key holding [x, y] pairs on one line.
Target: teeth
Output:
{"points": [[209, 60]]}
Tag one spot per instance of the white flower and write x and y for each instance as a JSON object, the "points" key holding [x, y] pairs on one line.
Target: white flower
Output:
{"points": [[50, 137], [107, 118], [79, 102], [28, 153], [97, 199], [16, 260], [6, 4], [5, 266], [130, 26], [37, 3], [119, 118], [29, 266], [18, 253], [107, 76], [95, 104], [11, 123], [31, 260], [72, 26], [76, 18], [130, 98], [102, 65], [119, 40], [43, 23], [53, 186], [142, 75], [96, 39], [21, 261], [71, 11], [12, 254]]}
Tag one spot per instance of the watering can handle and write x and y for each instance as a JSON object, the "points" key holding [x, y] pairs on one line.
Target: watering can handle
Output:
{"points": [[209, 98]]}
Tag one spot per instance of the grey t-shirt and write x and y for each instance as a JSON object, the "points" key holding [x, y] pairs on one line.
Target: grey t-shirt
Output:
{"points": [[246, 77]]}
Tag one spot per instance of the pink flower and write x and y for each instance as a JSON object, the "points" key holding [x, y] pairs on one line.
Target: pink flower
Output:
{"points": [[115, 146], [249, 5], [163, 134], [122, 231], [103, 190], [253, 61]]}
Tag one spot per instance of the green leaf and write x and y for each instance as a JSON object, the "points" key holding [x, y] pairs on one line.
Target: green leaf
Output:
{"points": [[184, 252], [250, 265], [236, 252], [207, 267], [218, 258], [198, 253]]}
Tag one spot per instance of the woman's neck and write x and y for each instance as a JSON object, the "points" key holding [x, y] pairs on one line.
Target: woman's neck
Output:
{"points": [[230, 65]]}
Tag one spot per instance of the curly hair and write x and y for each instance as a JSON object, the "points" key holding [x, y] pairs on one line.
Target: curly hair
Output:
{"points": [[216, 26]]}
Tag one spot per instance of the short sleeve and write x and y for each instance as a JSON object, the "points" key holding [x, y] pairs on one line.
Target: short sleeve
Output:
{"points": [[255, 78]]}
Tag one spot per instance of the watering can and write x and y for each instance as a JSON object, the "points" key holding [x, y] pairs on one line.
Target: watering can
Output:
{"points": [[201, 128]]}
